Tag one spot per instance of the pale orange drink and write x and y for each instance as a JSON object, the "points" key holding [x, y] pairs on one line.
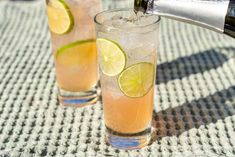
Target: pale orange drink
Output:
{"points": [[127, 46], [74, 49]]}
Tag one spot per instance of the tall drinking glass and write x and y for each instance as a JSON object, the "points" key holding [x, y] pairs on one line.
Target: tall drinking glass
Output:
{"points": [[73, 44], [127, 47]]}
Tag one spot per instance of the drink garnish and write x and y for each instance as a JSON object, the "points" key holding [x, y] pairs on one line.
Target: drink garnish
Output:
{"points": [[136, 80], [112, 57], [60, 18], [76, 53]]}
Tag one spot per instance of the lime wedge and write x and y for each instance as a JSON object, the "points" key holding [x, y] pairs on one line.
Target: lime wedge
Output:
{"points": [[137, 80], [112, 57], [60, 19], [76, 53]]}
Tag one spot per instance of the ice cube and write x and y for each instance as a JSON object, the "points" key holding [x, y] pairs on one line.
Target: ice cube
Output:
{"points": [[118, 23], [146, 20], [142, 52], [116, 17], [110, 84], [108, 23]]}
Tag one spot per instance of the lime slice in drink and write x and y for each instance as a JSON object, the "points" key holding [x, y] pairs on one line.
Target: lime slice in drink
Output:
{"points": [[112, 57], [76, 53], [60, 19], [137, 80]]}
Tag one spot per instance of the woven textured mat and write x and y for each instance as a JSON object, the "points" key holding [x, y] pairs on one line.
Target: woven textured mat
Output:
{"points": [[194, 104]]}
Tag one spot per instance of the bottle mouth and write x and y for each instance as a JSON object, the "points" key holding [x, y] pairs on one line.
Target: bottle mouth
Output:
{"points": [[143, 5]]}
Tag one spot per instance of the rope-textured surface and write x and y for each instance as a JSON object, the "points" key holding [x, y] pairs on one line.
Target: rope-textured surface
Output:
{"points": [[194, 104]]}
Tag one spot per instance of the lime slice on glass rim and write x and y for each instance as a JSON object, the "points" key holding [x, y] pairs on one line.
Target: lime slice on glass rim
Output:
{"points": [[136, 80], [60, 18], [76, 53], [112, 57]]}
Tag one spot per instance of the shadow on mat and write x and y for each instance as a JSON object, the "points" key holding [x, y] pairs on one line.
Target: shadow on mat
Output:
{"points": [[175, 121], [196, 63]]}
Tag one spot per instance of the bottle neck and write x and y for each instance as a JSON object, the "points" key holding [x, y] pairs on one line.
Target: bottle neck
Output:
{"points": [[229, 27], [205, 13]]}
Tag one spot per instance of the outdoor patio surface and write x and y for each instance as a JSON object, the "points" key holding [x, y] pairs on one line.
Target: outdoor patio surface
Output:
{"points": [[194, 105]]}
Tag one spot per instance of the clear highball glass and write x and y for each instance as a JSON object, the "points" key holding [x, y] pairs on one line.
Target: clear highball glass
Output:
{"points": [[127, 53]]}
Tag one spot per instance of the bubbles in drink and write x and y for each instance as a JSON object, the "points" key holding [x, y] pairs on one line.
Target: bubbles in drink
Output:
{"points": [[129, 21]]}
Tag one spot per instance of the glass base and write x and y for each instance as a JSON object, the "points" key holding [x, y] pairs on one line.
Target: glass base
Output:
{"points": [[78, 99], [128, 141]]}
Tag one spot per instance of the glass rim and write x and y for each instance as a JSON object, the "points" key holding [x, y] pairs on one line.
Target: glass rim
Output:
{"points": [[124, 9]]}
